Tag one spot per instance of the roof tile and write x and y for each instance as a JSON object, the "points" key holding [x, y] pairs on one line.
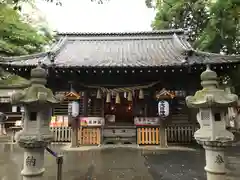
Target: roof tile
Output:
{"points": [[128, 49]]}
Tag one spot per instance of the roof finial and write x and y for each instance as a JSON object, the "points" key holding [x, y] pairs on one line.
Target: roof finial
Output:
{"points": [[208, 68], [39, 64], [209, 78]]}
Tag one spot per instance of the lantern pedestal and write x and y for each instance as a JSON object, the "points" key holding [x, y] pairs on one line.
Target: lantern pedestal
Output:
{"points": [[33, 165], [215, 159], [33, 146], [2, 129]]}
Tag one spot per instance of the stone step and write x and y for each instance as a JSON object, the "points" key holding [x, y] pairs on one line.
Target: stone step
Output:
{"points": [[5, 138]]}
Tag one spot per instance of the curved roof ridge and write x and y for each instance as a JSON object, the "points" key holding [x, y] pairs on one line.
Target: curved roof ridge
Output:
{"points": [[133, 33], [57, 48], [53, 49], [215, 54], [23, 57], [185, 46]]}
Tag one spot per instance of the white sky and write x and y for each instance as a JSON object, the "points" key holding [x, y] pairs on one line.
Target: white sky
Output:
{"points": [[87, 16]]}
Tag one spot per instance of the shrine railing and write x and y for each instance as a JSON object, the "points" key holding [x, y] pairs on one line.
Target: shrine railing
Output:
{"points": [[176, 133], [181, 133], [61, 134], [148, 135]]}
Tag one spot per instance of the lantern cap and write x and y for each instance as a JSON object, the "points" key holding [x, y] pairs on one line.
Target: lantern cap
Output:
{"points": [[211, 95], [209, 78], [38, 75], [36, 92]]}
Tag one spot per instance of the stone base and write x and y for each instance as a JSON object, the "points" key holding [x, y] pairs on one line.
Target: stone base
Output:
{"points": [[33, 164], [215, 159]]}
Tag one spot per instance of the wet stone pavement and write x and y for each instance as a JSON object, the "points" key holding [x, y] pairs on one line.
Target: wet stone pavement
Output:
{"points": [[119, 163]]}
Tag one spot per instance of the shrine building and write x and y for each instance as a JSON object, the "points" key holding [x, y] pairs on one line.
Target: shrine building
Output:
{"points": [[118, 80]]}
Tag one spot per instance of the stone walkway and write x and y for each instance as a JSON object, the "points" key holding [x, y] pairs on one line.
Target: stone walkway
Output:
{"points": [[120, 163]]}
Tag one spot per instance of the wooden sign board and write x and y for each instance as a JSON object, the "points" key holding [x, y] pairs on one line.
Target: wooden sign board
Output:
{"points": [[140, 121], [72, 96], [164, 94]]}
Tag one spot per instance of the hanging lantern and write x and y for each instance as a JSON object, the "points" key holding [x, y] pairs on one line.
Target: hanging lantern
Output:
{"points": [[141, 94], [117, 99], [129, 98], [125, 95], [99, 95], [163, 108], [108, 98], [74, 108]]}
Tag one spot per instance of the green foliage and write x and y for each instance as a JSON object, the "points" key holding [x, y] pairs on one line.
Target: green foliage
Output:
{"points": [[223, 30], [8, 80], [213, 26], [187, 14], [16, 36]]}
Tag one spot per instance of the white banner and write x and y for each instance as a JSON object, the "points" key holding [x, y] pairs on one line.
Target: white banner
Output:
{"points": [[146, 121], [91, 121]]}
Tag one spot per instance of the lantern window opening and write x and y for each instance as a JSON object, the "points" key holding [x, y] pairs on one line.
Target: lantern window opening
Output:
{"points": [[33, 116], [217, 116]]}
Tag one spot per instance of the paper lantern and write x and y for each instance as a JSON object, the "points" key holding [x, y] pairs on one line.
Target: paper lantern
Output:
{"points": [[163, 108], [108, 98], [141, 94], [129, 96], [75, 108], [99, 95], [117, 99]]}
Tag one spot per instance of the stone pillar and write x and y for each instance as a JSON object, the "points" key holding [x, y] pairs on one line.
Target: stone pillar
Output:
{"points": [[33, 162], [3, 119], [2, 129], [215, 159]]}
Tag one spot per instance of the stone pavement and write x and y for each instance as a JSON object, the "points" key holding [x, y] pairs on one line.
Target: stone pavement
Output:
{"points": [[120, 163]]}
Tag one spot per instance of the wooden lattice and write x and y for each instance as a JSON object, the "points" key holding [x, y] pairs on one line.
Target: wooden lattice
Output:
{"points": [[148, 135], [89, 136]]}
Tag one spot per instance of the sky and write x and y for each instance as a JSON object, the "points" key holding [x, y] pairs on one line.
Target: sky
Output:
{"points": [[87, 16]]}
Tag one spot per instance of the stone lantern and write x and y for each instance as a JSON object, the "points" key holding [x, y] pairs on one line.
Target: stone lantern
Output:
{"points": [[37, 101], [213, 104]]}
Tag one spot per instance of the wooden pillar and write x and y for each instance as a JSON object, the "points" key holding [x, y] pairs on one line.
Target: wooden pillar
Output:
{"points": [[75, 126], [84, 114], [102, 114], [162, 133], [74, 137], [85, 104], [102, 107]]}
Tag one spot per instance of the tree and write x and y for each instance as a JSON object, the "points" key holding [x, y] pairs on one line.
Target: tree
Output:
{"points": [[213, 26], [223, 29], [16, 36], [186, 14]]}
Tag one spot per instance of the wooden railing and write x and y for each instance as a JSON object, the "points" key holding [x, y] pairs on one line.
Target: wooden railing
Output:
{"points": [[89, 136], [61, 134], [176, 133], [147, 135], [180, 133]]}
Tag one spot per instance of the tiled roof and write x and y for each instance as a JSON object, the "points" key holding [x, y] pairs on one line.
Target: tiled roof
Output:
{"points": [[140, 49], [128, 49]]}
